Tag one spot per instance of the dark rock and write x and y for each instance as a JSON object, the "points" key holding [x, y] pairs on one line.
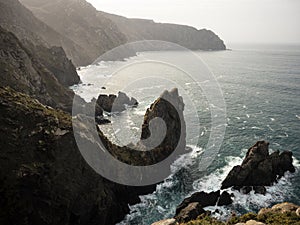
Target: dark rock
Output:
{"points": [[18, 19], [190, 212], [259, 168], [113, 103], [44, 178], [203, 198], [260, 190], [246, 189], [56, 61], [168, 107], [21, 69], [225, 199]]}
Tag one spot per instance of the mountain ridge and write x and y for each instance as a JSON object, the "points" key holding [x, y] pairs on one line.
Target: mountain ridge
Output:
{"points": [[98, 32]]}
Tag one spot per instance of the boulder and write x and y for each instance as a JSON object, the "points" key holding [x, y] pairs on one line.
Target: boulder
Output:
{"points": [[260, 190], [190, 212], [203, 198], [225, 199], [114, 103], [259, 168]]}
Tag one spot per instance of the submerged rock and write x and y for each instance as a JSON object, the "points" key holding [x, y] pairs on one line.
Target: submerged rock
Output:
{"points": [[259, 169]]}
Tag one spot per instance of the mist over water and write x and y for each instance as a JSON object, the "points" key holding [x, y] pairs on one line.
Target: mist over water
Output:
{"points": [[261, 87]]}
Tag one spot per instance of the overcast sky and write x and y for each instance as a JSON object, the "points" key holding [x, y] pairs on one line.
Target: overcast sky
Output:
{"points": [[235, 21]]}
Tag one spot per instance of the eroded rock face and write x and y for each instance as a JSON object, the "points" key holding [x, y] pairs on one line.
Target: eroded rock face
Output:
{"points": [[114, 103], [168, 107], [259, 168], [22, 69], [43, 177]]}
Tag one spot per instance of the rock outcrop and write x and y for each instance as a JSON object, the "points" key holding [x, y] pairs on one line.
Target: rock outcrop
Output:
{"points": [[116, 103], [280, 214], [46, 180], [259, 169], [193, 206], [22, 70], [152, 149]]}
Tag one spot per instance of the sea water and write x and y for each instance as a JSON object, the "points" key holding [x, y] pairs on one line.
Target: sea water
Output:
{"points": [[261, 89]]}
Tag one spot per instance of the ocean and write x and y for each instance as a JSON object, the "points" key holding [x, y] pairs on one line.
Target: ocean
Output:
{"points": [[260, 86]]}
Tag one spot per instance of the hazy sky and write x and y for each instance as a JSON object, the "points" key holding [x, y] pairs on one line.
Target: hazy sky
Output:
{"points": [[235, 21]]}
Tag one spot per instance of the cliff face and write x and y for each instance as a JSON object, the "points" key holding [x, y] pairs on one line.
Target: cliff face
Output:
{"points": [[43, 177], [22, 70], [39, 40], [18, 19], [80, 22], [186, 36], [97, 32]]}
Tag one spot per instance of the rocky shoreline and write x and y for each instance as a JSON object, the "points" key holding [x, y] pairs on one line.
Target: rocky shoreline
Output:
{"points": [[280, 214], [258, 169]]}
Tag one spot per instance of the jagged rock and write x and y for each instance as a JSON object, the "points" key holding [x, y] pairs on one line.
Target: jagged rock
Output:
{"points": [[259, 168], [44, 178], [22, 70], [113, 103], [166, 222], [225, 199], [203, 198], [168, 107], [190, 212]]}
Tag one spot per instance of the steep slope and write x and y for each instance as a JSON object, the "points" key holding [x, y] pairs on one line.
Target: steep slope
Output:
{"points": [[18, 19], [80, 22], [23, 71], [186, 36], [44, 179], [98, 32]]}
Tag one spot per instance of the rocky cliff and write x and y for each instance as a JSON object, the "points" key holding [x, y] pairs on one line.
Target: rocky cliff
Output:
{"points": [[97, 32], [186, 36], [44, 179], [23, 70], [18, 19], [80, 22]]}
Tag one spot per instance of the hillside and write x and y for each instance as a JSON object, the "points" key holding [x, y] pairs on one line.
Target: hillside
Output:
{"points": [[16, 18], [80, 22], [186, 36], [22, 70], [98, 32]]}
